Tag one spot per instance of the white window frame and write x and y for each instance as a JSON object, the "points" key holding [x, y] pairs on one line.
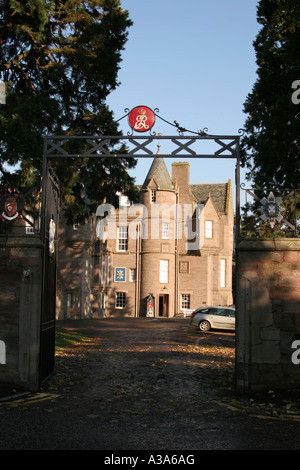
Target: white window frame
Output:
{"points": [[185, 301], [165, 230], [122, 239], [208, 229], [223, 273], [120, 300], [30, 228], [132, 274], [153, 196], [164, 271], [123, 200]]}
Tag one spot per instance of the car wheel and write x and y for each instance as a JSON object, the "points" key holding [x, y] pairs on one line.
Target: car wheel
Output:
{"points": [[204, 325]]}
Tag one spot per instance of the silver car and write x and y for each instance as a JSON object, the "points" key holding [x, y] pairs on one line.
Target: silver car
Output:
{"points": [[214, 317]]}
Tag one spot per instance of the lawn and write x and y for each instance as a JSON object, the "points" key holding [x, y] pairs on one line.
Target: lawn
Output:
{"points": [[65, 338]]}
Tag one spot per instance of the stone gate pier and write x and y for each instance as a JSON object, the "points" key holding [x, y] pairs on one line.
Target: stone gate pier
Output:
{"points": [[20, 310], [268, 315]]}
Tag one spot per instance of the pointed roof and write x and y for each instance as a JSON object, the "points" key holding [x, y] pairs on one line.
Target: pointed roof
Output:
{"points": [[159, 172]]}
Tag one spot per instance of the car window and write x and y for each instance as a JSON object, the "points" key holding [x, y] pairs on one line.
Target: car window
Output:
{"points": [[212, 311], [231, 313], [220, 312], [204, 310]]}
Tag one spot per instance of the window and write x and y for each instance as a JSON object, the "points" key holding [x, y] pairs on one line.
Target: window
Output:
{"points": [[185, 301], [120, 299], [132, 275], [30, 228], [165, 230], [205, 310], [122, 238], [153, 196], [223, 273], [220, 312], [164, 271], [123, 200], [208, 229], [104, 263]]}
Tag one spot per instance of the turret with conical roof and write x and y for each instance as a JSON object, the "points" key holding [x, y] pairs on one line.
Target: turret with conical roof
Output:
{"points": [[158, 196], [159, 174], [157, 179]]}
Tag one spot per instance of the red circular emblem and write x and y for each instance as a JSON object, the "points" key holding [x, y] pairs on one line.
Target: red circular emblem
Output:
{"points": [[141, 118]]}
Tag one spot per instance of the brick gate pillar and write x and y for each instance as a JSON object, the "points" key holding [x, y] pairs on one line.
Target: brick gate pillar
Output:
{"points": [[268, 315]]}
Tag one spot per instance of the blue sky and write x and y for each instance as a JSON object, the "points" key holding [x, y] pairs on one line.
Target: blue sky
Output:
{"points": [[195, 61]]}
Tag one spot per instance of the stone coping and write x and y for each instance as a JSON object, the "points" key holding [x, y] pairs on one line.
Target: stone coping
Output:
{"points": [[11, 241], [269, 244]]}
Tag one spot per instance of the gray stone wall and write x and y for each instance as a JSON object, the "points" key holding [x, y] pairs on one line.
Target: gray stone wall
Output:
{"points": [[268, 315], [20, 310]]}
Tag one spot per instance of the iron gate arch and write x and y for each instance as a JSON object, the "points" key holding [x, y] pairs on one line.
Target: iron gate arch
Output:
{"points": [[185, 145], [228, 147]]}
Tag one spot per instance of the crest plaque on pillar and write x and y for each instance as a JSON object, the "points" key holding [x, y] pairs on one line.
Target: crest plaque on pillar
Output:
{"points": [[11, 206]]}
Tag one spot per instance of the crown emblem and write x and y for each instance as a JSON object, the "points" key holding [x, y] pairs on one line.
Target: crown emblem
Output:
{"points": [[141, 118]]}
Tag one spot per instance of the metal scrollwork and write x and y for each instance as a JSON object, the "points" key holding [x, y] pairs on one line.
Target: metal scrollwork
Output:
{"points": [[271, 209]]}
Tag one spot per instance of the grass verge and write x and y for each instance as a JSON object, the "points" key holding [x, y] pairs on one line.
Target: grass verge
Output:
{"points": [[65, 338]]}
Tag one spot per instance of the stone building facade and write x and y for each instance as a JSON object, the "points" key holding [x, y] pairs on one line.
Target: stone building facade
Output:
{"points": [[176, 246]]}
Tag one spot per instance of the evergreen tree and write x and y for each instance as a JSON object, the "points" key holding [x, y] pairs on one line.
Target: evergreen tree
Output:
{"points": [[271, 144], [59, 60]]}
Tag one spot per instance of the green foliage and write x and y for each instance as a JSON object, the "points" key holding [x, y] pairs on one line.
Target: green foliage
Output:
{"points": [[271, 145], [60, 60]]}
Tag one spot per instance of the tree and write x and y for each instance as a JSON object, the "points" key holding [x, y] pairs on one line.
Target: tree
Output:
{"points": [[271, 144], [60, 60]]}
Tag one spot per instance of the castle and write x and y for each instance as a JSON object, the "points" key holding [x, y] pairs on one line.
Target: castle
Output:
{"points": [[167, 255]]}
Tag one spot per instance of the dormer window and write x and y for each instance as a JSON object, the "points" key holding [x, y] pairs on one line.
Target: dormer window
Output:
{"points": [[123, 200]]}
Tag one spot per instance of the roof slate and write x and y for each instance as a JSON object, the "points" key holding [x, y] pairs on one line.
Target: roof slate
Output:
{"points": [[217, 192], [159, 172]]}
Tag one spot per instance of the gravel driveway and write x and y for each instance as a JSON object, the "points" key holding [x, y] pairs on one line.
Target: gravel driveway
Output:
{"points": [[142, 384]]}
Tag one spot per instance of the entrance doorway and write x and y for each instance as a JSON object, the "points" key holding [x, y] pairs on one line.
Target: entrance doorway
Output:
{"points": [[163, 307]]}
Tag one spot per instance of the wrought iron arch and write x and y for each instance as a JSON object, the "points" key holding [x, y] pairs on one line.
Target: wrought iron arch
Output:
{"points": [[184, 145]]}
